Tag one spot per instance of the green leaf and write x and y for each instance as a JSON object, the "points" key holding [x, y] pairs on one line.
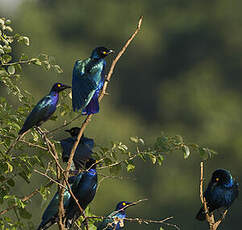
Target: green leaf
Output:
{"points": [[8, 21], [10, 167], [8, 28], [160, 159], [3, 73], [6, 58], [2, 22], [203, 153], [134, 139], [186, 151], [36, 61], [11, 69], [130, 167], [152, 158], [7, 49], [57, 69], [26, 40]]}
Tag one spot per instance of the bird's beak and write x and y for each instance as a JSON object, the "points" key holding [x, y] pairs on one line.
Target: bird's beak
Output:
{"points": [[129, 204], [68, 130], [110, 51], [65, 87]]}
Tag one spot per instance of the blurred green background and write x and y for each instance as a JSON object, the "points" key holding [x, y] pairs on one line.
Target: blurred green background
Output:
{"points": [[181, 75]]}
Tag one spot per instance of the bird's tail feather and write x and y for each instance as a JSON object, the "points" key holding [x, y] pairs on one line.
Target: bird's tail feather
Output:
{"points": [[201, 215]]}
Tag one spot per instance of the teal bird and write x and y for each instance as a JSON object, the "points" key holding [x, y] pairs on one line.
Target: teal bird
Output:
{"points": [[221, 192], [115, 220], [84, 192], [87, 80], [50, 214], [44, 108], [83, 151]]}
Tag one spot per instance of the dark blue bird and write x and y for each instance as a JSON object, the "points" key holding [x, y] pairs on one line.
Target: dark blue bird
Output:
{"points": [[87, 80], [83, 151], [115, 220], [50, 214], [44, 109], [221, 192], [84, 191]]}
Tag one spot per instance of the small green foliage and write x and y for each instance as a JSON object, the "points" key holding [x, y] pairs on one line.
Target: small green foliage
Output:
{"points": [[186, 151]]}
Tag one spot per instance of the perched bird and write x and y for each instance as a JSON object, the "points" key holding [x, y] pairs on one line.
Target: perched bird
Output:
{"points": [[222, 190], [44, 109], [115, 220], [87, 80], [83, 151], [51, 212], [84, 192]]}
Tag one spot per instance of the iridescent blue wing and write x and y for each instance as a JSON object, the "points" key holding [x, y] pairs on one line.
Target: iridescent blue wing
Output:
{"points": [[83, 87], [83, 151], [93, 105], [40, 113], [49, 216], [89, 142]]}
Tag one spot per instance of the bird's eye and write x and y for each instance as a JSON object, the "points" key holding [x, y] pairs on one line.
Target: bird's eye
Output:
{"points": [[104, 52], [123, 203], [59, 85], [217, 179]]}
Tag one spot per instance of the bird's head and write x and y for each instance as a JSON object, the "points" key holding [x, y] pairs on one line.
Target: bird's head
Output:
{"points": [[73, 131], [222, 177], [58, 87], [101, 52], [122, 205], [91, 163]]}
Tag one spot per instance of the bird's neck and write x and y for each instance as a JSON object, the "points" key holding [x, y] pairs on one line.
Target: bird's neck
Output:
{"points": [[122, 213], [54, 94]]}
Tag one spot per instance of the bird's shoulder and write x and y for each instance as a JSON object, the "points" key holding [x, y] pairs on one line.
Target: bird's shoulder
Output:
{"points": [[45, 102], [80, 67]]}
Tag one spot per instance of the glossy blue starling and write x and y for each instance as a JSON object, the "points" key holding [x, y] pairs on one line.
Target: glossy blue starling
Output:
{"points": [[83, 151], [51, 212], [221, 192], [115, 220], [87, 80], [84, 191], [44, 108]]}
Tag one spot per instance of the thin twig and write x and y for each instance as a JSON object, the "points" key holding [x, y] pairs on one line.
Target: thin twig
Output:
{"points": [[26, 198], [64, 125], [48, 177], [147, 221]]}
